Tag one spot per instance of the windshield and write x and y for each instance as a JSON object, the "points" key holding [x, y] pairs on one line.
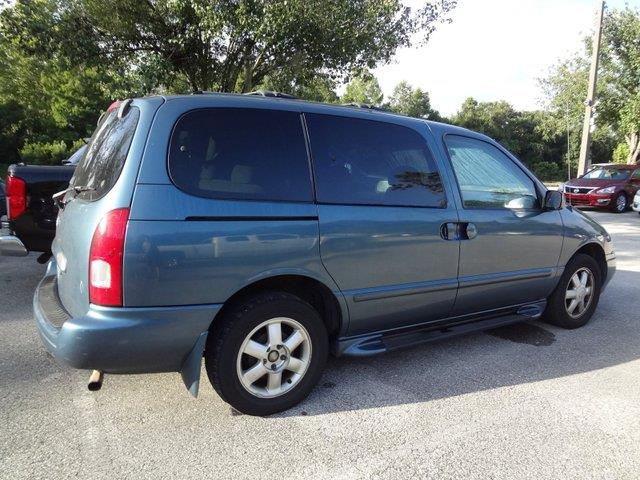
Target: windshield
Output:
{"points": [[105, 154], [608, 174]]}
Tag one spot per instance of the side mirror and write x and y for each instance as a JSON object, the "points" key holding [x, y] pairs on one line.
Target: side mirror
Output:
{"points": [[553, 200]]}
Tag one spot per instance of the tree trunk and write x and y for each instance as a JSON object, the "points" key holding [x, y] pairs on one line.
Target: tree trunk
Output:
{"points": [[248, 77], [633, 141]]}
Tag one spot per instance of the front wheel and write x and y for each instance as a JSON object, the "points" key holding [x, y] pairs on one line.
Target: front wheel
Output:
{"points": [[574, 300], [619, 203], [267, 353]]}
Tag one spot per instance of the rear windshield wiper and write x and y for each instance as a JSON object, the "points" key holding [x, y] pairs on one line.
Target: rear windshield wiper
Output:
{"points": [[58, 197]]}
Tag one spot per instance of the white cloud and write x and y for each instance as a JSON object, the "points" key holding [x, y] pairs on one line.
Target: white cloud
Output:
{"points": [[493, 50]]}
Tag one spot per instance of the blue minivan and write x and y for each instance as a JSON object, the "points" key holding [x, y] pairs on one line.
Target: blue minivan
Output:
{"points": [[264, 233]]}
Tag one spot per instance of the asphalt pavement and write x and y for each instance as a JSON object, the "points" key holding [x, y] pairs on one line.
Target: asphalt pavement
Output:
{"points": [[524, 401]]}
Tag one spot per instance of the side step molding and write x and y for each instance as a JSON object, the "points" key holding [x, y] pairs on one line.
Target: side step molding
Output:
{"points": [[386, 342]]}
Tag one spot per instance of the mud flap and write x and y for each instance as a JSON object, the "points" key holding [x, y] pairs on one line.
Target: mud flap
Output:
{"points": [[192, 365]]}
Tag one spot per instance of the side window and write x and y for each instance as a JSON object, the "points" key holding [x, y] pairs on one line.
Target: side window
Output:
{"points": [[367, 162], [487, 177], [636, 175], [236, 153]]}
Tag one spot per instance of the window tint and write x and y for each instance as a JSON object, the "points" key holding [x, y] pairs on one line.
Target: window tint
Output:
{"points": [[241, 154], [636, 175], [487, 177], [105, 154], [372, 163]]}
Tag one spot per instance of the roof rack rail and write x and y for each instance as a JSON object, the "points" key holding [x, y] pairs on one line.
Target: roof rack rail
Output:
{"points": [[365, 105], [269, 93]]}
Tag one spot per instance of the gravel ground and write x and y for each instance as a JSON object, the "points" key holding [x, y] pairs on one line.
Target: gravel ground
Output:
{"points": [[525, 401]]}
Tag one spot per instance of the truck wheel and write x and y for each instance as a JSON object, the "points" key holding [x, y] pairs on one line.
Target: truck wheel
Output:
{"points": [[267, 353], [574, 300], [619, 203]]}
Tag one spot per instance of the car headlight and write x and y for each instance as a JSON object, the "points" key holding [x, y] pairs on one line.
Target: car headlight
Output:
{"points": [[561, 187], [606, 190]]}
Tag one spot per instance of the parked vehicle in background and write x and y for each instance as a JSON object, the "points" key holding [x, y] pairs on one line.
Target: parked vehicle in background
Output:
{"points": [[636, 202], [263, 233], [610, 187], [593, 166], [31, 214]]}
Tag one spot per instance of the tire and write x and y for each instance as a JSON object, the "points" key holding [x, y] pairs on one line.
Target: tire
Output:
{"points": [[249, 326], [559, 304], [619, 203]]}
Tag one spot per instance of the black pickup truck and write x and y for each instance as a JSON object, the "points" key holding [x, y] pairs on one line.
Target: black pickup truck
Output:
{"points": [[31, 212]]}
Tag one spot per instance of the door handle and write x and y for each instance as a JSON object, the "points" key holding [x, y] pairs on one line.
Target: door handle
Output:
{"points": [[449, 231], [471, 231], [458, 231]]}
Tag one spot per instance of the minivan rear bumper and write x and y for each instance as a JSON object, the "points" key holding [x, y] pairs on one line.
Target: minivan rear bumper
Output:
{"points": [[119, 340]]}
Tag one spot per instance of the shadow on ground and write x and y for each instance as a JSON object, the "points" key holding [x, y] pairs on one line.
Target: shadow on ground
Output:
{"points": [[516, 354]]}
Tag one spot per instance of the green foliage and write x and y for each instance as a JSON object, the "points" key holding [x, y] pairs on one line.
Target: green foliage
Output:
{"points": [[617, 114], [363, 88], [233, 46], [60, 95], [547, 171], [12, 131], [319, 88], [64, 61], [530, 136], [45, 153], [621, 153], [412, 102]]}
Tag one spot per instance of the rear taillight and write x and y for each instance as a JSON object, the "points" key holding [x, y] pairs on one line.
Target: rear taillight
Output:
{"points": [[16, 197], [105, 259]]}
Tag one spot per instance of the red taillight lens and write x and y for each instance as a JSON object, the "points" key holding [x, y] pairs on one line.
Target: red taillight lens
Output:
{"points": [[105, 259], [16, 197]]}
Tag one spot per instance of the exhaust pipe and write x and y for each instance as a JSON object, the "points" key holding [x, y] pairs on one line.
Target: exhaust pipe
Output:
{"points": [[95, 380]]}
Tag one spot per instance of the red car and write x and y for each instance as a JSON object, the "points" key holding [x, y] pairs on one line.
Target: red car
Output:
{"points": [[611, 186]]}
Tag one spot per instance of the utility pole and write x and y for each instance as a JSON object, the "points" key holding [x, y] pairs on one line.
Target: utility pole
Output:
{"points": [[585, 145]]}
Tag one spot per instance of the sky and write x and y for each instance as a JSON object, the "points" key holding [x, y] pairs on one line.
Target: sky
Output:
{"points": [[494, 50]]}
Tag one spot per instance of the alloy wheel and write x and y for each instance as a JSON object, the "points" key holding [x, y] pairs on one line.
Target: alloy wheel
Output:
{"points": [[274, 357], [621, 203], [579, 292]]}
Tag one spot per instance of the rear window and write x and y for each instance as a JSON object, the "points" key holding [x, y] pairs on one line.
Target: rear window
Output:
{"points": [[240, 153], [105, 154]]}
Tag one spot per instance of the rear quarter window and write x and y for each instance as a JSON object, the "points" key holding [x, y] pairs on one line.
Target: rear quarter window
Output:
{"points": [[242, 154], [105, 154]]}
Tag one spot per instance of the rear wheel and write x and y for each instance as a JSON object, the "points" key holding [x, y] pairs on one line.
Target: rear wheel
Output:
{"points": [[267, 354], [619, 203], [574, 300]]}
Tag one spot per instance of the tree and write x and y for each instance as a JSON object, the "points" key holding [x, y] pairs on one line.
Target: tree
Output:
{"points": [[319, 88], [64, 61], [618, 89], [622, 63], [363, 88], [233, 46], [412, 102], [530, 136], [12, 131]]}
